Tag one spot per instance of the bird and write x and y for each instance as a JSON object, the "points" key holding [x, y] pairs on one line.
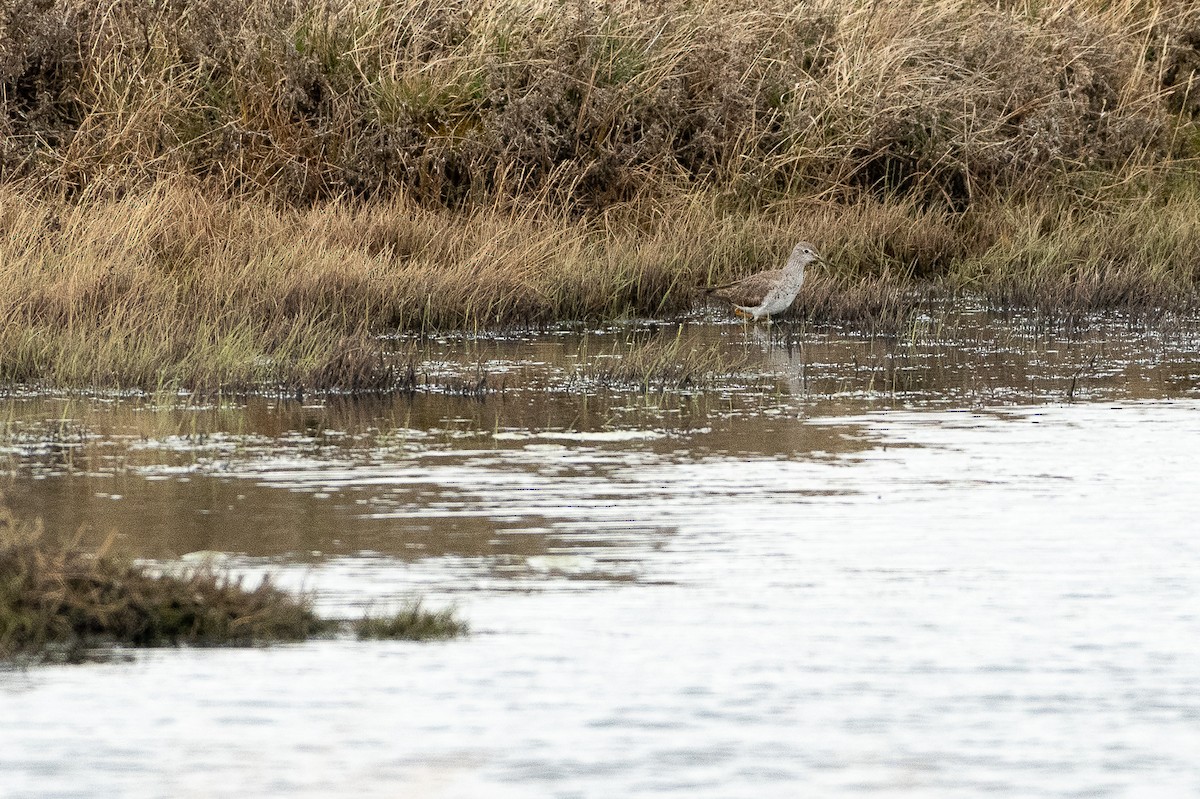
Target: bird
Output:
{"points": [[770, 292]]}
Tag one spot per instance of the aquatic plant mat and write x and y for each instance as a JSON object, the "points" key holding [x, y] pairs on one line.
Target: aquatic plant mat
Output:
{"points": [[61, 602]]}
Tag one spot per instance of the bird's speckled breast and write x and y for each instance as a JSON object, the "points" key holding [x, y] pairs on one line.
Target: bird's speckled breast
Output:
{"points": [[783, 295]]}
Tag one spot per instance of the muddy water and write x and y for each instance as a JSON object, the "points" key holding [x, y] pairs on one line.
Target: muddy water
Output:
{"points": [[963, 562]]}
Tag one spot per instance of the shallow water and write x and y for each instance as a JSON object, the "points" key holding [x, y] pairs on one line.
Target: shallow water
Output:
{"points": [[957, 564]]}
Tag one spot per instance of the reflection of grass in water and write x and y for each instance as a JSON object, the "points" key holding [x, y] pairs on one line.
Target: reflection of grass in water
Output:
{"points": [[57, 601], [411, 623], [661, 363]]}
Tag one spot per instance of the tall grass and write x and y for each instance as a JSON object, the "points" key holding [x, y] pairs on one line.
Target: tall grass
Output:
{"points": [[176, 287], [238, 193], [592, 103]]}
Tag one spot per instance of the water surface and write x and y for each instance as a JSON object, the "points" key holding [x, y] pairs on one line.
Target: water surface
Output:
{"points": [[955, 564]]}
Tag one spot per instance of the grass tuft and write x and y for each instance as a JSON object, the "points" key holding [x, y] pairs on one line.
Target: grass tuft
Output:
{"points": [[59, 602], [411, 623]]}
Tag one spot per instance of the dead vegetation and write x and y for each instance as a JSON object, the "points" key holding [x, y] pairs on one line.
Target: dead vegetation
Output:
{"points": [[458, 101], [246, 194]]}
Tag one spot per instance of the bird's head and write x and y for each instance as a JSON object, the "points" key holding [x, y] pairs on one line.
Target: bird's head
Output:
{"points": [[804, 254]]}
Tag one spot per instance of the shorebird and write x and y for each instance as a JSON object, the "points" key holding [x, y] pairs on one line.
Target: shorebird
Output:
{"points": [[771, 292]]}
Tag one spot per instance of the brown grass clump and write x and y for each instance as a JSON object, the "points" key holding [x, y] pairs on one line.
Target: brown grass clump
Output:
{"points": [[59, 600]]}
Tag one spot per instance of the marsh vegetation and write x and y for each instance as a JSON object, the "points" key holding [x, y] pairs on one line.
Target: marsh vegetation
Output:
{"points": [[227, 194], [411, 623], [63, 601]]}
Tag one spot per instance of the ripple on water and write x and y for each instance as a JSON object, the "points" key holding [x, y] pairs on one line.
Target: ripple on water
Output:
{"points": [[844, 598]]}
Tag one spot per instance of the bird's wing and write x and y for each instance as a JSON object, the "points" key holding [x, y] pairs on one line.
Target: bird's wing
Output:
{"points": [[749, 291]]}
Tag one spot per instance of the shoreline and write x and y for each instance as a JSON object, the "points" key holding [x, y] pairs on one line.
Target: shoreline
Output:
{"points": [[174, 288], [252, 195]]}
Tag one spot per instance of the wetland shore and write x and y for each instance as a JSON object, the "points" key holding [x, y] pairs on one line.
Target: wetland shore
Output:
{"points": [[218, 196]]}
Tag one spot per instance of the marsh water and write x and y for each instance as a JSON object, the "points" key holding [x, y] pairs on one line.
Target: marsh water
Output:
{"points": [[959, 562]]}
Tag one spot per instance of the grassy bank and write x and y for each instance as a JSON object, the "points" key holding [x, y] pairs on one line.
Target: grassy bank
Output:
{"points": [[175, 287], [58, 601], [228, 194], [461, 101]]}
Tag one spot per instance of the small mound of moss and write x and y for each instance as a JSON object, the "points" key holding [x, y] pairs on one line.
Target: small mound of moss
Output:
{"points": [[58, 602], [411, 623]]}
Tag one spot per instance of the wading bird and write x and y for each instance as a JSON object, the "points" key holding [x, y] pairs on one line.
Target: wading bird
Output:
{"points": [[771, 292]]}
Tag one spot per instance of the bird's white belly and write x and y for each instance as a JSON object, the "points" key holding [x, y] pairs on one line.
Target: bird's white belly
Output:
{"points": [[776, 304], [779, 300]]}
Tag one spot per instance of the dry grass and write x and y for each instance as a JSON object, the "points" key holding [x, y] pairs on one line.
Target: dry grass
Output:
{"points": [[173, 286], [233, 194], [590, 103], [1138, 254]]}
